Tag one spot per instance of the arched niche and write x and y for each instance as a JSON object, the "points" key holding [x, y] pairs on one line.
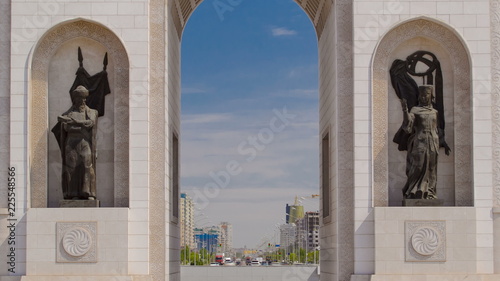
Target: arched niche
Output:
{"points": [[53, 67], [455, 182]]}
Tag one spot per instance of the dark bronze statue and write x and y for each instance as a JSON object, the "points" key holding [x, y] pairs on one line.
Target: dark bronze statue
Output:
{"points": [[78, 129], [421, 124], [76, 132], [423, 129]]}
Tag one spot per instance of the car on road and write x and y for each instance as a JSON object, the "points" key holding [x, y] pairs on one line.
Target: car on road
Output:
{"points": [[255, 263], [214, 264]]}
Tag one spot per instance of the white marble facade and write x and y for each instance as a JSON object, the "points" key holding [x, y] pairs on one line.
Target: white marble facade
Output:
{"points": [[136, 230]]}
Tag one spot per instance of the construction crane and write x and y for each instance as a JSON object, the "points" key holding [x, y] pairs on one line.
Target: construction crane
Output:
{"points": [[312, 196]]}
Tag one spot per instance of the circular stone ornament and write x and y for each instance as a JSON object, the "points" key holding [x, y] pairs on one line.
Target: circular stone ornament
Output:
{"points": [[77, 242], [425, 241]]}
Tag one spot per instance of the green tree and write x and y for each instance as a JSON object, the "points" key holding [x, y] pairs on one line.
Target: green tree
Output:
{"points": [[313, 257], [185, 255], [302, 255]]}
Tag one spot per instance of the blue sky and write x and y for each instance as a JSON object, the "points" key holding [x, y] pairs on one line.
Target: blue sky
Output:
{"points": [[249, 129]]}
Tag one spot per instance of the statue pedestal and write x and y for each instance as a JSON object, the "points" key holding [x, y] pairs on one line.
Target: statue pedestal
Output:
{"points": [[423, 202], [79, 204]]}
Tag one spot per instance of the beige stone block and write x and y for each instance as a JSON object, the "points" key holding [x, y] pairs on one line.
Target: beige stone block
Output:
{"points": [[138, 255], [131, 8], [450, 7], [139, 215], [476, 7], [389, 254], [484, 227], [485, 267], [45, 241], [116, 255], [484, 254], [364, 241], [368, 7], [137, 242], [397, 267], [459, 227], [106, 9], [484, 240], [112, 241], [427, 268], [48, 268], [77, 9], [138, 268], [463, 254], [41, 255], [138, 228]]}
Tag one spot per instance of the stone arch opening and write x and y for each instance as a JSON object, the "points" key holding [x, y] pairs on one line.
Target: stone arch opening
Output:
{"points": [[265, 136], [317, 11], [60, 44], [454, 172], [333, 22]]}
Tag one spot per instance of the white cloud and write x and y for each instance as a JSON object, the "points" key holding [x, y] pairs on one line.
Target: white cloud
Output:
{"points": [[298, 93], [283, 31], [198, 119], [255, 198], [210, 141]]}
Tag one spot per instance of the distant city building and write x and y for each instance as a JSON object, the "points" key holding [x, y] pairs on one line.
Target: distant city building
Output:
{"points": [[308, 231], [186, 221], [294, 212], [287, 212], [208, 238], [226, 237], [287, 235]]}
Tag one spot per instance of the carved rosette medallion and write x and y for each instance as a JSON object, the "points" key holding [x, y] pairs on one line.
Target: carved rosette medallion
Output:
{"points": [[425, 241], [76, 242]]}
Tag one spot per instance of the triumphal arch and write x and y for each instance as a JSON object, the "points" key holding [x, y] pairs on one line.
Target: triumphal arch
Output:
{"points": [[404, 87]]}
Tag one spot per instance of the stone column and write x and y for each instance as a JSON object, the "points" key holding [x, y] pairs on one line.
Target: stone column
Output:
{"points": [[495, 96], [345, 147], [157, 135]]}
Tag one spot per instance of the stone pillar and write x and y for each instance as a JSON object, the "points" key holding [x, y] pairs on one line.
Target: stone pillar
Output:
{"points": [[157, 135], [495, 96], [345, 147]]}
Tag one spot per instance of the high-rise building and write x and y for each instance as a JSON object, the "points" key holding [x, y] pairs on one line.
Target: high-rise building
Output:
{"points": [[287, 235], [226, 238], [207, 238], [186, 221], [308, 231], [294, 212]]}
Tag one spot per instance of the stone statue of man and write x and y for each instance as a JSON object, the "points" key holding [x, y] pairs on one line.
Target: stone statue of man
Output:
{"points": [[77, 129]]}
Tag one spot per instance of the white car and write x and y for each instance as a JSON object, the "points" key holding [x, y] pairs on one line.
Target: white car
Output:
{"points": [[255, 263], [214, 264]]}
